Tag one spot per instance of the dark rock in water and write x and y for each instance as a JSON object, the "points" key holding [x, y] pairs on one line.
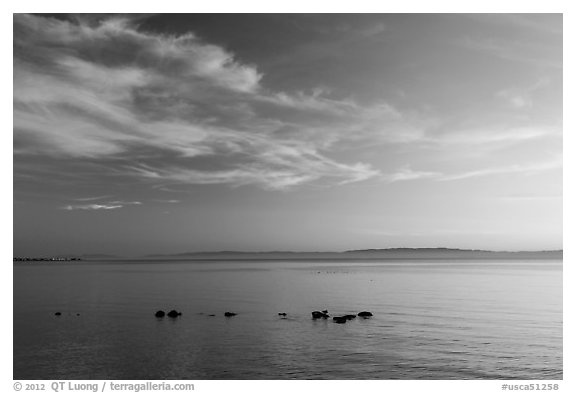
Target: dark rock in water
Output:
{"points": [[319, 314], [211, 315], [340, 319], [174, 314], [160, 314], [282, 314], [365, 314], [58, 313], [349, 317], [325, 312], [77, 314], [229, 314]]}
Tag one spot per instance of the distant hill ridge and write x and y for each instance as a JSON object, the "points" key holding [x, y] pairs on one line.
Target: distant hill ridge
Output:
{"points": [[407, 253], [444, 249]]}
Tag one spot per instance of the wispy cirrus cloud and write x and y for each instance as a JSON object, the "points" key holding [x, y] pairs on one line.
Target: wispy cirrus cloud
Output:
{"points": [[94, 198], [167, 200], [522, 97], [541, 23], [523, 169], [174, 109], [101, 90], [515, 51], [495, 134], [125, 203], [314, 101], [101, 206], [278, 167], [92, 206], [406, 173]]}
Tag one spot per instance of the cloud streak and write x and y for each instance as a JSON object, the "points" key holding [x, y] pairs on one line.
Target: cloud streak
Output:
{"points": [[407, 174], [514, 51], [105, 90], [92, 206], [101, 206]]}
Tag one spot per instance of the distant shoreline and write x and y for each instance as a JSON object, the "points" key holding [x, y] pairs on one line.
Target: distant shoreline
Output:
{"points": [[370, 254]]}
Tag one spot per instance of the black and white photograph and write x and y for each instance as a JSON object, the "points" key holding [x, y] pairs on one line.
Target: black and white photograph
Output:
{"points": [[288, 196]]}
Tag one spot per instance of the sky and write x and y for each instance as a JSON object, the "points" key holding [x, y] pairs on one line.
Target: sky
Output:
{"points": [[152, 134]]}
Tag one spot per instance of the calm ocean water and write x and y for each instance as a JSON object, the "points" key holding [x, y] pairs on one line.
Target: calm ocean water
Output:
{"points": [[432, 319]]}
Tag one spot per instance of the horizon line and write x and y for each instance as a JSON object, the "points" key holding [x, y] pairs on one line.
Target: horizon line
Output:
{"points": [[93, 255]]}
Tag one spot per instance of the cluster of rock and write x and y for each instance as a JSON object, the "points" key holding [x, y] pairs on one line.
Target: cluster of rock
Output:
{"points": [[171, 314], [340, 319], [58, 314], [315, 315]]}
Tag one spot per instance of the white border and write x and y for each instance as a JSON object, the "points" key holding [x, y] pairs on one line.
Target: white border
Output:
{"points": [[308, 6]]}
